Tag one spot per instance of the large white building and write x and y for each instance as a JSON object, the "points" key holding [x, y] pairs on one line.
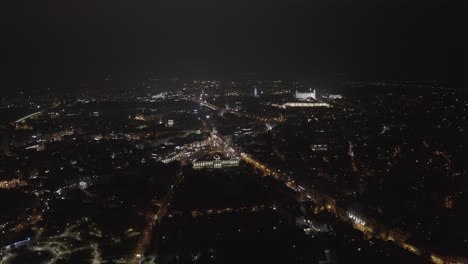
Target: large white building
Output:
{"points": [[306, 96], [356, 214], [216, 164], [303, 104]]}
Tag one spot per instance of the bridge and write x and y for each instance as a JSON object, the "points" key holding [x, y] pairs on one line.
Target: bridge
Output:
{"points": [[18, 244], [54, 105], [28, 116], [211, 106]]}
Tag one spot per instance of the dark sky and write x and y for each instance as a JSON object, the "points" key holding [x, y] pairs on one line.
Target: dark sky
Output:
{"points": [[48, 42]]}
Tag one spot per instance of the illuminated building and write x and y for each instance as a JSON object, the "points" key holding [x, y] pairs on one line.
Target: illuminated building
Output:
{"points": [[305, 96], [217, 163], [335, 96], [197, 144], [319, 147], [357, 216], [312, 225], [303, 104], [172, 157]]}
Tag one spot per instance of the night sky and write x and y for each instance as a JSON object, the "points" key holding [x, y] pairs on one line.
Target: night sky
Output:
{"points": [[50, 42]]}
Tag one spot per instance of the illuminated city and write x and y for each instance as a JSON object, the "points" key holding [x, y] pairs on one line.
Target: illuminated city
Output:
{"points": [[211, 132]]}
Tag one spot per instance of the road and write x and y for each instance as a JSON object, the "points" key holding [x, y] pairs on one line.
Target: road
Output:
{"points": [[219, 211], [145, 241]]}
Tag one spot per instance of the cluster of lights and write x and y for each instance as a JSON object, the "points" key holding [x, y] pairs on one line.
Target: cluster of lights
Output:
{"points": [[357, 219]]}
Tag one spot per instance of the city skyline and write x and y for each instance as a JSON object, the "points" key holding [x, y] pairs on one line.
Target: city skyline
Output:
{"points": [[57, 43]]}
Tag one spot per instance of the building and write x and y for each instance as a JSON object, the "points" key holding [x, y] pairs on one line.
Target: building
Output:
{"points": [[172, 157], [335, 96], [306, 96], [318, 147], [197, 144], [312, 225], [303, 104], [356, 214], [217, 163]]}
